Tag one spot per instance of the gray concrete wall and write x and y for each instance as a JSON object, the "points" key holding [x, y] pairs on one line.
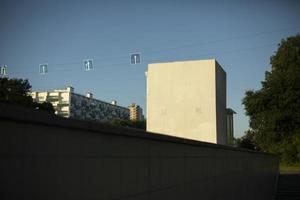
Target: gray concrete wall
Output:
{"points": [[221, 104], [46, 157]]}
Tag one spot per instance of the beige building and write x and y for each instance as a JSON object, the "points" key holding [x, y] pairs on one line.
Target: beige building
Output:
{"points": [[187, 99], [136, 112]]}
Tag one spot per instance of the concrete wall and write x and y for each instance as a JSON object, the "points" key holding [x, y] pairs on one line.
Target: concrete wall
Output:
{"points": [[229, 126], [187, 99], [220, 79], [46, 157]]}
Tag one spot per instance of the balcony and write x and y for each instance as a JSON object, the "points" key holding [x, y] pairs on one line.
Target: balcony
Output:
{"points": [[52, 98]]}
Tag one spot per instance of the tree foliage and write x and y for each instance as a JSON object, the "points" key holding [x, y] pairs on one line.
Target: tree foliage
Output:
{"points": [[274, 110], [247, 141], [16, 91]]}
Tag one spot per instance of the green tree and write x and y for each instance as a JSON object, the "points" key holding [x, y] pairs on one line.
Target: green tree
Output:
{"points": [[247, 141], [274, 110], [16, 91], [46, 106]]}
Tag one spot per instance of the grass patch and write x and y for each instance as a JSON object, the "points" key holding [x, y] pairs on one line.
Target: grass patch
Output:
{"points": [[283, 168]]}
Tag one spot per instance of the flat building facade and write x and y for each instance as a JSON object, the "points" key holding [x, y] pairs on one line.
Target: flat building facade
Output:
{"points": [[187, 99]]}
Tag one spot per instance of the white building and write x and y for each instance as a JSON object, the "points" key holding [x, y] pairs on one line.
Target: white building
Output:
{"points": [[69, 104], [187, 99]]}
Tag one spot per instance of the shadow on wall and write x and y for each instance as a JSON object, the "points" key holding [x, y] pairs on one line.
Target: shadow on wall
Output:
{"points": [[47, 157]]}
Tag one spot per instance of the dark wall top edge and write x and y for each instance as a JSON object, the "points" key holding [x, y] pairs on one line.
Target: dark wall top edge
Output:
{"points": [[26, 115]]}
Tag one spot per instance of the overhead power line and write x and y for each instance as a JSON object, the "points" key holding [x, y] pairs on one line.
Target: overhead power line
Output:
{"points": [[78, 65]]}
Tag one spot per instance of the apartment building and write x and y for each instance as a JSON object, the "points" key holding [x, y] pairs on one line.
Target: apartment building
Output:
{"points": [[69, 104], [136, 112]]}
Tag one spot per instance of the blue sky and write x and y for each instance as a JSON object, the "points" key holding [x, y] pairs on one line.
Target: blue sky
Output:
{"points": [[241, 35]]}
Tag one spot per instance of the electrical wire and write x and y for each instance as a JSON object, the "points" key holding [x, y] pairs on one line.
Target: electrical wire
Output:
{"points": [[147, 53]]}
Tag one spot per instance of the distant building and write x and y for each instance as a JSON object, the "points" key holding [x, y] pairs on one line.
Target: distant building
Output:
{"points": [[187, 99], [230, 113], [69, 104], [136, 112]]}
